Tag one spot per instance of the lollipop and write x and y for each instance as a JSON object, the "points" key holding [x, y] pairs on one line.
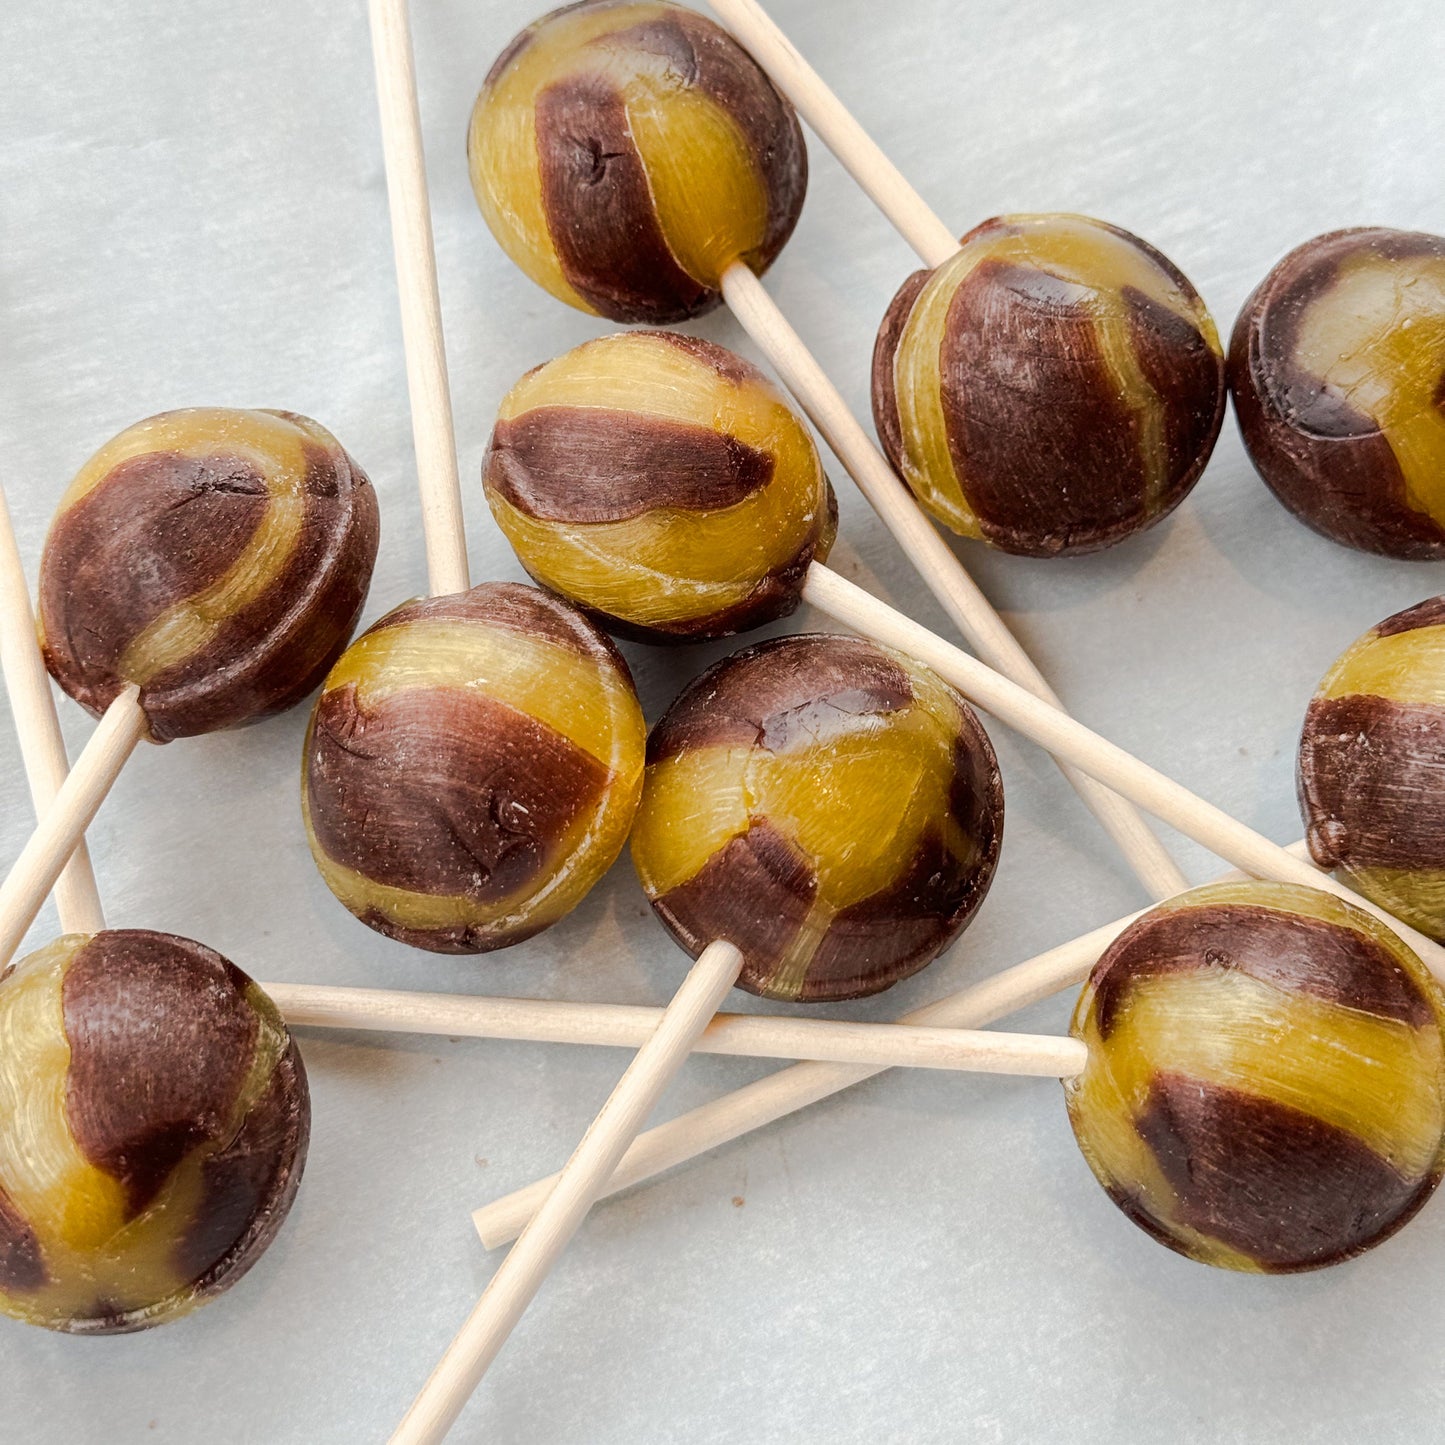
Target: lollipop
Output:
{"points": [[1265, 1086], [831, 808], [1337, 368], [662, 484], [586, 144], [634, 160], [1053, 387], [1370, 761], [204, 569], [1050, 385], [155, 1125], [472, 768], [1256, 1076]]}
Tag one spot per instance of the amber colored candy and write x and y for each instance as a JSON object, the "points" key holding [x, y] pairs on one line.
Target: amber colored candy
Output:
{"points": [[1055, 387], [472, 768], [662, 484], [154, 1118], [829, 806], [1265, 1086], [1371, 765], [624, 155], [1337, 368], [216, 559]]}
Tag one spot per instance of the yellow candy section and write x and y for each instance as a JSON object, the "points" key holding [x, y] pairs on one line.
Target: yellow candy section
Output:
{"points": [[274, 446], [589, 705], [670, 565], [1406, 667], [856, 805], [95, 1258], [680, 135], [1376, 335], [1074, 250]]}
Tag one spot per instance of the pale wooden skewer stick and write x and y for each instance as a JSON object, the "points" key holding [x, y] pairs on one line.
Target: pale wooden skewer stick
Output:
{"points": [[41, 746], [754, 1036], [64, 823], [577, 1188], [764, 1102], [961, 597], [543, 1021], [421, 314], [833, 123]]}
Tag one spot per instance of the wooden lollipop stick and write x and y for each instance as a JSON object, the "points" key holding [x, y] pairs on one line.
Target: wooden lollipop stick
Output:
{"points": [[64, 823], [970, 611], [41, 744], [1167, 800], [835, 126], [421, 314], [577, 1187], [759, 1104], [630, 1026]]}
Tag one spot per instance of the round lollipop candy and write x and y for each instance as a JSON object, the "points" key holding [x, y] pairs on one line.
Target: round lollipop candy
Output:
{"points": [[626, 154], [832, 808], [1265, 1086], [662, 484], [634, 160], [472, 768], [204, 569], [1371, 757], [1337, 368], [154, 1118], [1053, 387]]}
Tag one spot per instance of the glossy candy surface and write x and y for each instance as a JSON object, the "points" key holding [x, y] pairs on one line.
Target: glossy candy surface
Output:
{"points": [[625, 154], [472, 768], [216, 558], [1337, 368], [1054, 387], [1265, 1088], [661, 483], [1371, 764], [154, 1118], [832, 808]]}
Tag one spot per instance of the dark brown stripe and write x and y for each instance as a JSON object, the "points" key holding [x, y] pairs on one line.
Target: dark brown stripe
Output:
{"points": [[22, 1265], [293, 634], [780, 693], [1186, 374], [1280, 1186], [600, 212], [158, 529], [515, 607], [444, 792], [705, 58], [1033, 416], [247, 1187], [1430, 613], [586, 464], [1370, 773], [886, 418], [161, 1041], [1289, 951], [1327, 461], [761, 869]]}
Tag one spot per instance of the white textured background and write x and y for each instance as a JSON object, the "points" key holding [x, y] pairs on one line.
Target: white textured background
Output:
{"points": [[192, 210]]}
